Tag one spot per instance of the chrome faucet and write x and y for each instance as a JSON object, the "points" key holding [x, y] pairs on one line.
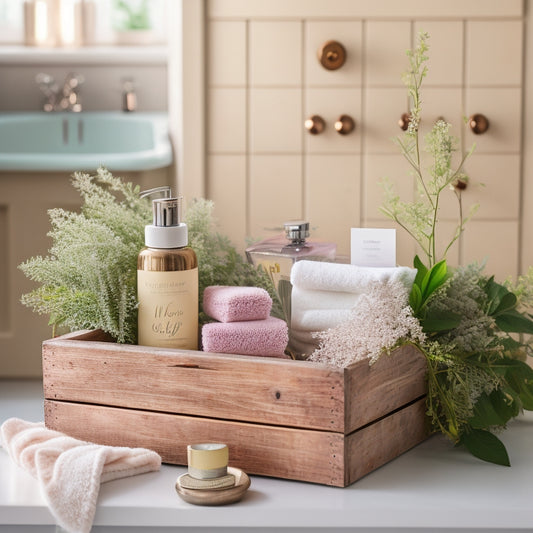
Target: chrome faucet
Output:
{"points": [[65, 98]]}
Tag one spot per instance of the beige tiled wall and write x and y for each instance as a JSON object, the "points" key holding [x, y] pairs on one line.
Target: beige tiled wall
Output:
{"points": [[264, 80]]}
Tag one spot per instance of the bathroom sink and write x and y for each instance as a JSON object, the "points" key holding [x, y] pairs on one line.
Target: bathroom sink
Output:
{"points": [[84, 141]]}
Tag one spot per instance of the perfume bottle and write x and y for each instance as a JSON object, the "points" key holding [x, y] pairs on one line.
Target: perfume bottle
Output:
{"points": [[167, 281], [276, 255]]}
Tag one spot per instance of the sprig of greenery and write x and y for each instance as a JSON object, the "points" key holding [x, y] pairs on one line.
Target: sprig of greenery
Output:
{"points": [[476, 380], [89, 280], [420, 218], [477, 330]]}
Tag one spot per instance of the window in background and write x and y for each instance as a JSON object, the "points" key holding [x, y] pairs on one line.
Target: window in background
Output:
{"points": [[68, 23]]}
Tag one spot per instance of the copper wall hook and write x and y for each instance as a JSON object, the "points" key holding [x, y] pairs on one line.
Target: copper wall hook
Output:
{"points": [[404, 120], [478, 123], [332, 55], [315, 124], [345, 124]]}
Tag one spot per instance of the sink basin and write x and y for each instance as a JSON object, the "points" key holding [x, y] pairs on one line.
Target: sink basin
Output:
{"points": [[84, 141]]}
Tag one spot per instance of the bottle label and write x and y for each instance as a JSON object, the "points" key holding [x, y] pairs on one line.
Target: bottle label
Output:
{"points": [[168, 308]]}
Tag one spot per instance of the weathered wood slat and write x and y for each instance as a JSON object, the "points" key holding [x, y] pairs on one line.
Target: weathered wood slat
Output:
{"points": [[288, 453], [263, 390], [374, 445], [317, 456], [230, 387], [392, 381]]}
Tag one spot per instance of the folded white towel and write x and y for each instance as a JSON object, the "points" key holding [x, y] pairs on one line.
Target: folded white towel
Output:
{"points": [[305, 299], [69, 471], [340, 277], [319, 319]]}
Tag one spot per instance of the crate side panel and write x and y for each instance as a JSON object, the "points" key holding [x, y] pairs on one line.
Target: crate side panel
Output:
{"points": [[373, 391], [253, 389], [374, 445], [305, 455]]}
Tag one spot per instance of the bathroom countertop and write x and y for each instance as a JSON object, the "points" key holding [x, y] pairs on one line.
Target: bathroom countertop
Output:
{"points": [[433, 487]]}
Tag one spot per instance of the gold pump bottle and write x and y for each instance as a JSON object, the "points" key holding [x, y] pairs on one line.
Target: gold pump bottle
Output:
{"points": [[167, 281]]}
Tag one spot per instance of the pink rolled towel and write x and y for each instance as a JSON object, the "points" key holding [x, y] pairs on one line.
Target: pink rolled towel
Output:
{"points": [[254, 337], [236, 304], [69, 471]]}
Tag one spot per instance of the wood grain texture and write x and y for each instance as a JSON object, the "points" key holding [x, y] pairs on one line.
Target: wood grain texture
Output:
{"points": [[306, 455], [233, 387], [376, 444], [374, 391], [230, 387]]}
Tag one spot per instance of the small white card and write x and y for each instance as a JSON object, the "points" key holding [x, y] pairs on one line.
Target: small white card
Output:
{"points": [[373, 247]]}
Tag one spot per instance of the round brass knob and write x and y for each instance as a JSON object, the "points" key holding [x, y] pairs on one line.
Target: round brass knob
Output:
{"points": [[332, 55], [478, 123], [345, 124], [315, 124], [404, 121]]}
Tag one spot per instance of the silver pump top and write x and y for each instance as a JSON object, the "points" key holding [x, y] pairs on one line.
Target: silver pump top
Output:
{"points": [[167, 211], [296, 230]]}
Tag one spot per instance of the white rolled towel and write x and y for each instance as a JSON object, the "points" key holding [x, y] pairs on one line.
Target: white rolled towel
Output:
{"points": [[340, 277]]}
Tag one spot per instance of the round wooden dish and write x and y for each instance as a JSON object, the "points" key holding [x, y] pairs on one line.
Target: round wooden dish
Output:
{"points": [[217, 496]]}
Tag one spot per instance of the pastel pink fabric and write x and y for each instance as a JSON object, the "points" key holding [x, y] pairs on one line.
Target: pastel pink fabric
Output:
{"points": [[236, 304], [69, 471], [253, 337]]}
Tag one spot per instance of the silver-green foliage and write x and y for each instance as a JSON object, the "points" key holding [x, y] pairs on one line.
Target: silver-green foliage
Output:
{"points": [[88, 280]]}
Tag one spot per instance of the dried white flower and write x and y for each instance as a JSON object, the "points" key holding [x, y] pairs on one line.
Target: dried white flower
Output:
{"points": [[380, 320]]}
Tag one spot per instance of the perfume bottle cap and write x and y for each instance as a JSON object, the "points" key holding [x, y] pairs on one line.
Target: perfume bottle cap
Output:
{"points": [[166, 231], [296, 230]]}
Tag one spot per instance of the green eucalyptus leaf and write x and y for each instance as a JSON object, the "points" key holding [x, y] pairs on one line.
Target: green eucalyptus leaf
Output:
{"points": [[512, 321], [499, 297], [415, 299], [506, 403], [507, 302], [437, 321], [485, 415], [486, 446]]}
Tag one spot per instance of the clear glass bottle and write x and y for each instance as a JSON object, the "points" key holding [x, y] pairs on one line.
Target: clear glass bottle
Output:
{"points": [[276, 255]]}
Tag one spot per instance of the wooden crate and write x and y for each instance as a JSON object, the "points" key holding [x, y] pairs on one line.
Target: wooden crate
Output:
{"points": [[282, 418]]}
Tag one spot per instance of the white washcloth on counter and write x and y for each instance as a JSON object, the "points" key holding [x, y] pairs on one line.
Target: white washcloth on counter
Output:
{"points": [[340, 277], [69, 471]]}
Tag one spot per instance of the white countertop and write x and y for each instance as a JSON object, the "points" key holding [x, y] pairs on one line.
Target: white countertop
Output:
{"points": [[432, 487]]}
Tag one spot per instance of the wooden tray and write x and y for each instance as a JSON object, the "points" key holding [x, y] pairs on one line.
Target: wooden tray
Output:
{"points": [[282, 418]]}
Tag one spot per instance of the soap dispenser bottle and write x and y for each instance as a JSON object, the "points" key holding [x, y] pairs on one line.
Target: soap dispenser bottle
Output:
{"points": [[167, 281]]}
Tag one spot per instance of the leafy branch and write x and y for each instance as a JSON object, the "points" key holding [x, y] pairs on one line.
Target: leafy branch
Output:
{"points": [[477, 331]]}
